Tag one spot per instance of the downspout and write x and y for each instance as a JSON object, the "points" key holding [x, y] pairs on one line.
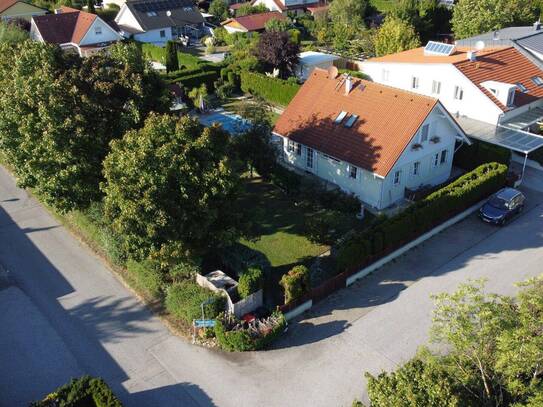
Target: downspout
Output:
{"points": [[523, 168]]}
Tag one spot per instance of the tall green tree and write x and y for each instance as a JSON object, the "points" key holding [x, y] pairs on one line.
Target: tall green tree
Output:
{"points": [[171, 184], [12, 34], [473, 17], [172, 62], [59, 112], [275, 50], [348, 12], [219, 9], [395, 35], [90, 7]]}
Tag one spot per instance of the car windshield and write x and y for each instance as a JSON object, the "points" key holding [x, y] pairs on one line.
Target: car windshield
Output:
{"points": [[497, 202]]}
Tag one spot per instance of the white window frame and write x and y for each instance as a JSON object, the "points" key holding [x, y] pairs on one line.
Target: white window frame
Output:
{"points": [[458, 93], [443, 157], [436, 87], [353, 172], [424, 132], [416, 168], [309, 158], [436, 159], [290, 146], [385, 75], [414, 82], [397, 177], [298, 149]]}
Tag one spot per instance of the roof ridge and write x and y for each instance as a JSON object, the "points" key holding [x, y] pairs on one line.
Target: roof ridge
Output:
{"points": [[487, 54]]}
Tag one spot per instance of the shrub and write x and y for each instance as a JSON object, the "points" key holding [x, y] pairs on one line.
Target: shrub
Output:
{"points": [[321, 228], [273, 90], [285, 179], [234, 337], [147, 275], [82, 392], [470, 157], [197, 80], [184, 300], [295, 283], [250, 281], [390, 233]]}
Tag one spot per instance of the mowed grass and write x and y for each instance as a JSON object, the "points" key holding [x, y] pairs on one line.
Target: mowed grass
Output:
{"points": [[279, 225], [384, 5]]}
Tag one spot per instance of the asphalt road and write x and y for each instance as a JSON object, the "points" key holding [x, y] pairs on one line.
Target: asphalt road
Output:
{"points": [[67, 303]]}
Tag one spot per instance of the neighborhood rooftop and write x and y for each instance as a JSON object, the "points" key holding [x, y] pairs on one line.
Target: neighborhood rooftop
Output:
{"points": [[153, 14], [68, 26], [386, 120], [419, 56], [254, 22]]}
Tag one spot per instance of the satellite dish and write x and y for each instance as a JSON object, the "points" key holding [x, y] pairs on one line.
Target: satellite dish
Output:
{"points": [[169, 13], [333, 72], [480, 45]]}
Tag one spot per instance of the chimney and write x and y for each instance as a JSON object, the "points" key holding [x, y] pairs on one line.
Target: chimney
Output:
{"points": [[496, 35], [348, 84], [537, 25], [472, 56]]}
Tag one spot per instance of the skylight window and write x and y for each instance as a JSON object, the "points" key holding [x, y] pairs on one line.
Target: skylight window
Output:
{"points": [[521, 87], [537, 80], [350, 121], [340, 117], [151, 13]]}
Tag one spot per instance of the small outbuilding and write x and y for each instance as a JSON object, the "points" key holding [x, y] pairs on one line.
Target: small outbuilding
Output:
{"points": [[310, 60]]}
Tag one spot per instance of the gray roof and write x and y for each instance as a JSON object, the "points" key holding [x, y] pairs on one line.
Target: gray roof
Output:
{"points": [[153, 14], [533, 42], [503, 37]]}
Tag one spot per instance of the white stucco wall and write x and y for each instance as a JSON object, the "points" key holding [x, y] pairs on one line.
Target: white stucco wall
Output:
{"points": [[474, 104], [382, 192], [233, 30], [107, 33], [153, 36], [303, 71]]}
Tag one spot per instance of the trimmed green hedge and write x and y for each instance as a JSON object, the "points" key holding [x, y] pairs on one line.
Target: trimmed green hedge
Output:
{"points": [[242, 340], [184, 300], [470, 157], [389, 234], [274, 90], [196, 80], [250, 281], [295, 283], [83, 392]]}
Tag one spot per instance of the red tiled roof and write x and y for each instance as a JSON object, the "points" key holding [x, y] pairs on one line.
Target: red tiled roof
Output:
{"points": [[255, 22], [388, 118], [238, 5], [5, 4], [70, 25], [508, 66]]}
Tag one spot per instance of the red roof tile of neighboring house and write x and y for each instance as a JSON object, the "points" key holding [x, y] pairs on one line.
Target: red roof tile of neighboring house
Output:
{"points": [[5, 4], [255, 22], [318, 8], [238, 5], [70, 25], [508, 66], [388, 119]]}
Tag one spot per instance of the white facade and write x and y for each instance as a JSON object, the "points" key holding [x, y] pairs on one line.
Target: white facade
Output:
{"points": [[310, 60], [157, 37], [269, 4], [232, 30], [99, 32], [427, 164]]}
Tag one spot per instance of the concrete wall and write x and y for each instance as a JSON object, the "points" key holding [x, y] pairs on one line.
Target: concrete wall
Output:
{"points": [[474, 104], [249, 304]]}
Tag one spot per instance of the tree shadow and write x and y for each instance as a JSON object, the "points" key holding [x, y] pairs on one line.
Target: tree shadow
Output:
{"points": [[180, 394]]}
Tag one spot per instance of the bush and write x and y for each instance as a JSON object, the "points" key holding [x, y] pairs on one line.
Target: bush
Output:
{"points": [[285, 179], [184, 300], [250, 281], [320, 228], [295, 283], [83, 392], [234, 337], [470, 157], [273, 90], [147, 275], [389, 234], [197, 80]]}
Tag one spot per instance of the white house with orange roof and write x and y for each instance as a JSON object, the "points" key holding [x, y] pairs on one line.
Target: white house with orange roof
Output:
{"points": [[74, 30], [496, 95], [371, 140]]}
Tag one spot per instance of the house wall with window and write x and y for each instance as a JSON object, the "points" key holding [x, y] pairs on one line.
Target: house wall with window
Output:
{"points": [[427, 160], [157, 37], [444, 81], [99, 32]]}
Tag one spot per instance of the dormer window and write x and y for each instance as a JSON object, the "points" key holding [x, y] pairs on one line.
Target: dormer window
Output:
{"points": [[537, 80], [151, 13], [521, 87], [340, 117]]}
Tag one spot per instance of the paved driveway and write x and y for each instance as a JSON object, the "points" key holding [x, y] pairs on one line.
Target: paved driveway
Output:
{"points": [[96, 324]]}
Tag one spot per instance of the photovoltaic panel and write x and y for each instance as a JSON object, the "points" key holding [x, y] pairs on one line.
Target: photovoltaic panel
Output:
{"points": [[438, 48]]}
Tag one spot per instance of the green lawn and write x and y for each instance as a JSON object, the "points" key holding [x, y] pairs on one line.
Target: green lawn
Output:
{"points": [[384, 5]]}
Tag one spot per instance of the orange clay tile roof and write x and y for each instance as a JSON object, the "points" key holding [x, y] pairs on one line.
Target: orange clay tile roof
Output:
{"points": [[255, 22], [388, 119], [5, 4], [70, 25], [508, 66], [416, 55]]}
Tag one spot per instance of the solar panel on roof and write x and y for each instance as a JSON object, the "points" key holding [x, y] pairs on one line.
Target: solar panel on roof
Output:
{"points": [[438, 48]]}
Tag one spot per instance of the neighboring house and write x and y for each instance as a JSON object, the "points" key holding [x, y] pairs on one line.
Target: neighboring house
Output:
{"points": [[74, 31], [10, 9], [496, 95], [283, 6], [251, 23], [159, 21], [369, 139], [310, 60], [528, 40]]}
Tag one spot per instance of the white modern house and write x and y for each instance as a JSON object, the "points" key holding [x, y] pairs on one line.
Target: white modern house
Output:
{"points": [[74, 31], [159, 21], [371, 140], [309, 60], [283, 6], [495, 94]]}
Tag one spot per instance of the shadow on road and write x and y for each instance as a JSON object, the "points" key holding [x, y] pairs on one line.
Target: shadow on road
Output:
{"points": [[194, 396]]}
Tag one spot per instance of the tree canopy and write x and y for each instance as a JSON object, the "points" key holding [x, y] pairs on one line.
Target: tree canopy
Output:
{"points": [[348, 12], [171, 185], [276, 51], [395, 35], [219, 9], [473, 17]]}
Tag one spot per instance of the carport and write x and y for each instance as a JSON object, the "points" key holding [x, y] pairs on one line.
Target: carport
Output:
{"points": [[510, 134]]}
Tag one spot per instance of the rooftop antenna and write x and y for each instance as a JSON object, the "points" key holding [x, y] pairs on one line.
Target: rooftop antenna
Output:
{"points": [[169, 13], [479, 45]]}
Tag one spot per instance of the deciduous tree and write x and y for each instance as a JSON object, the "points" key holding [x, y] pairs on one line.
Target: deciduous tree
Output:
{"points": [[276, 51], [395, 35]]}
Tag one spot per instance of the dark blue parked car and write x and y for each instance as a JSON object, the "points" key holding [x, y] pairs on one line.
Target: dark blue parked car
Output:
{"points": [[502, 206]]}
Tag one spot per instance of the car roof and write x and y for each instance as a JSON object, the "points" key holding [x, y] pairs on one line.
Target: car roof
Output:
{"points": [[507, 193]]}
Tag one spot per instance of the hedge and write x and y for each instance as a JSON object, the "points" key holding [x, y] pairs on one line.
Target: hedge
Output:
{"points": [[250, 281], [274, 90], [184, 300], [389, 234], [470, 157], [196, 80], [243, 340], [295, 283], [147, 277], [83, 392]]}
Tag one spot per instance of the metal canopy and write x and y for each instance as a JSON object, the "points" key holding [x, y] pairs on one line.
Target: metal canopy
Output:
{"points": [[525, 119], [501, 135]]}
